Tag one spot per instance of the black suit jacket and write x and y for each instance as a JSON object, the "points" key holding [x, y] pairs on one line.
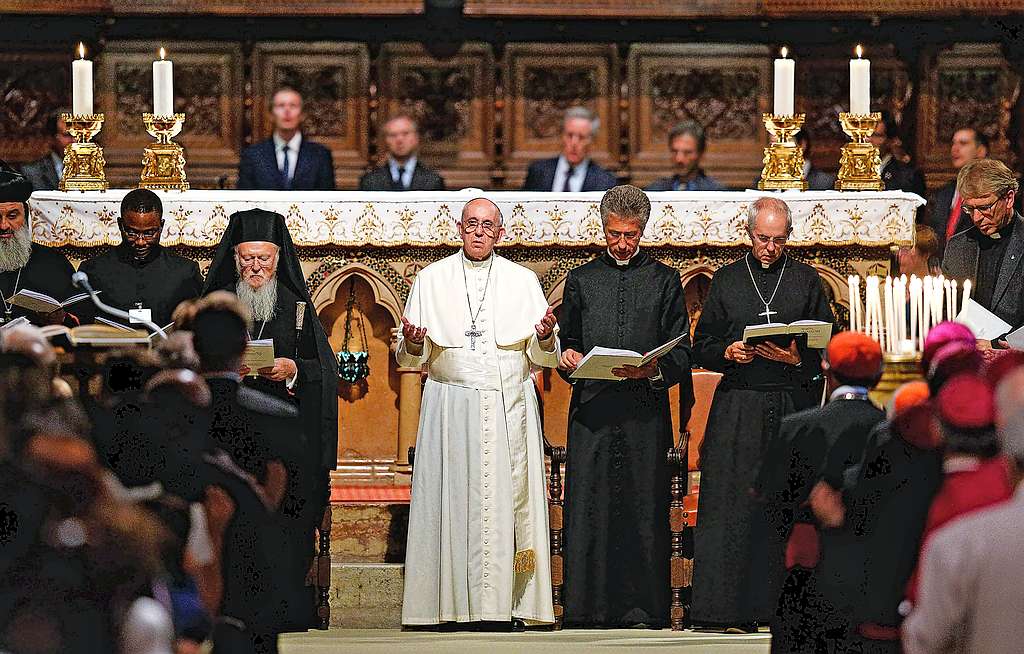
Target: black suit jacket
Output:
{"points": [[423, 179], [41, 173], [541, 175], [314, 170], [898, 176], [939, 206], [960, 261], [701, 182]]}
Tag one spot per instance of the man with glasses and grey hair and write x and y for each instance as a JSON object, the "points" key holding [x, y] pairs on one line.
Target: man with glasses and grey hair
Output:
{"points": [[686, 142], [619, 431], [760, 385], [989, 252], [478, 529], [572, 170]]}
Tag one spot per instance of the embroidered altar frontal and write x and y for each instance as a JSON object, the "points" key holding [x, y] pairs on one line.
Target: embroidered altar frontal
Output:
{"points": [[373, 244]]}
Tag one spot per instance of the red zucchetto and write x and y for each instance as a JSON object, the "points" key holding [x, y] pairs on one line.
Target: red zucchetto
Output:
{"points": [[966, 402], [854, 356]]}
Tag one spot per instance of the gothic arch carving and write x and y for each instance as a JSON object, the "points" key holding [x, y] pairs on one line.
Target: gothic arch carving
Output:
{"points": [[334, 274]]}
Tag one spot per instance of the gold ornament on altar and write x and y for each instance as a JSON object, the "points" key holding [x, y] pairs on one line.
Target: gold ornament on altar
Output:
{"points": [[163, 162], [83, 159], [859, 164], [783, 159]]}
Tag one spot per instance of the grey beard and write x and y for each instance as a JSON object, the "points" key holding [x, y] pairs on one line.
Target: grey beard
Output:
{"points": [[261, 301], [15, 253]]}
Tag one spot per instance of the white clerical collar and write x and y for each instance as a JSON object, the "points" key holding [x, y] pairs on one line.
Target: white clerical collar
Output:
{"points": [[960, 463], [293, 143], [849, 392], [620, 262], [885, 161], [466, 261]]}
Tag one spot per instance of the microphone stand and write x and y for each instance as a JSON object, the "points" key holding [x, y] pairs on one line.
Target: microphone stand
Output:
{"points": [[81, 280]]}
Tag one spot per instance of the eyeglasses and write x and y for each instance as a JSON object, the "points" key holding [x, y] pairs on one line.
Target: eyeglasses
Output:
{"points": [[985, 210], [471, 226], [765, 240], [147, 234], [263, 259], [615, 237]]}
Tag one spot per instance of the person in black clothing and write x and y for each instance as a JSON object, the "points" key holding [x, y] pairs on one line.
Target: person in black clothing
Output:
{"points": [[896, 175], [403, 170], [810, 610], [139, 273]]}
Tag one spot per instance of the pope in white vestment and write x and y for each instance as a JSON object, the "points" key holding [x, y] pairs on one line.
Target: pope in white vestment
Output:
{"points": [[478, 529]]}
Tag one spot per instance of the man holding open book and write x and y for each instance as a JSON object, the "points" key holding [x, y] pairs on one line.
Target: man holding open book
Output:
{"points": [[616, 499], [762, 383]]}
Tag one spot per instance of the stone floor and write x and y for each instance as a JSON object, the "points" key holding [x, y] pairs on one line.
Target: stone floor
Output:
{"points": [[571, 641]]}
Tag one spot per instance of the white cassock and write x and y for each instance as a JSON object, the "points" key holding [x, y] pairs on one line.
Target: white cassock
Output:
{"points": [[478, 524]]}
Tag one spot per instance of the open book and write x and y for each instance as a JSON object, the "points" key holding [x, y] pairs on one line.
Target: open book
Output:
{"points": [[600, 361], [985, 324], [125, 328], [97, 335], [817, 333], [259, 354], [41, 302]]}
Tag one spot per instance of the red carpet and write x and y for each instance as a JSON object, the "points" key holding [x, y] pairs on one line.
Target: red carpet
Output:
{"points": [[370, 494]]}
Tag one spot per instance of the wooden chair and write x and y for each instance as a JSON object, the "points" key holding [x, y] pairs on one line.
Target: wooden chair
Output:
{"points": [[684, 488]]}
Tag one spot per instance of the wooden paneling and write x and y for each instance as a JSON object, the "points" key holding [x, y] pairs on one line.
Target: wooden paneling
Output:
{"points": [[724, 88], [33, 86], [453, 101], [334, 81], [542, 80], [216, 7], [207, 89]]}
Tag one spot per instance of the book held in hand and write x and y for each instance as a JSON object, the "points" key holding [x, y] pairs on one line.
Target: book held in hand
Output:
{"points": [[816, 332], [985, 324], [259, 354], [41, 302], [600, 361]]}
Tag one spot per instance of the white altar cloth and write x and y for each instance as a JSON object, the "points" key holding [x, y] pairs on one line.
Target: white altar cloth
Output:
{"points": [[389, 219]]}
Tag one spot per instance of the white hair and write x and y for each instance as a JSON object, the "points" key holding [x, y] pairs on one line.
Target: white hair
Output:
{"points": [[585, 114], [15, 252]]}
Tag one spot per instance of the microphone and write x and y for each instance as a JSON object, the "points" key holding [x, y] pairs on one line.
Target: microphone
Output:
{"points": [[81, 280]]}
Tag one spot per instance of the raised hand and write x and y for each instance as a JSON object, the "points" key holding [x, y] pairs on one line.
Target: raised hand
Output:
{"points": [[412, 333], [546, 325]]}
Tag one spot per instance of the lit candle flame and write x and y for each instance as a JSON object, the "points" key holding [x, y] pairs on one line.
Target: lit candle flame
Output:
{"points": [[860, 51], [81, 50], [163, 53], [785, 52]]}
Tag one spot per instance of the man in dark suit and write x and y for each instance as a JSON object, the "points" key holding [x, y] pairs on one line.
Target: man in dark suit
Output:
{"points": [[403, 171], [990, 251], [944, 214], [44, 173], [572, 170], [686, 142], [896, 175], [287, 161]]}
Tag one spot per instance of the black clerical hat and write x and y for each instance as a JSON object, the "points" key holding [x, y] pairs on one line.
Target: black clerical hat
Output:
{"points": [[13, 185], [257, 225]]}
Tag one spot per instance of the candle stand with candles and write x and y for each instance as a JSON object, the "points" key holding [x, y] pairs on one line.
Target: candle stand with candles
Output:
{"points": [[859, 163], [783, 159], [163, 162], [83, 159]]}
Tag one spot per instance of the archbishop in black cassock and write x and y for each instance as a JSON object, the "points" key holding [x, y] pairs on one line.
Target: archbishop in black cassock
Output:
{"points": [[617, 532], [139, 272], [312, 388], [25, 265], [757, 390]]}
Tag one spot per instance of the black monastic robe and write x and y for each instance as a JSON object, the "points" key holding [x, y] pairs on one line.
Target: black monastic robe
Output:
{"points": [[617, 478], [158, 284], [729, 588], [47, 271]]}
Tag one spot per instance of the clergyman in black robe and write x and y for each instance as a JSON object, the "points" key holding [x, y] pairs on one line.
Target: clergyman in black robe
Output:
{"points": [[139, 273], [759, 387], [257, 260], [25, 265], [617, 538]]}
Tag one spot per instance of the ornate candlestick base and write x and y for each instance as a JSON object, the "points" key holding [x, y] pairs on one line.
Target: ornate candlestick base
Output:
{"points": [[859, 164], [163, 162], [783, 160], [83, 159]]}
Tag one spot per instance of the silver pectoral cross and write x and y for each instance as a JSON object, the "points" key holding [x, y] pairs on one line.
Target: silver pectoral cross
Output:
{"points": [[473, 334], [767, 313]]}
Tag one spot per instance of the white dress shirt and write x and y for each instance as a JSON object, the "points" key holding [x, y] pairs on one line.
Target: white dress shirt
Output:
{"points": [[579, 173], [407, 169], [293, 152]]}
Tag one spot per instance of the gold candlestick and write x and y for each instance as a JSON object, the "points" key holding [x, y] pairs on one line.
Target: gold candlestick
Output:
{"points": [[859, 164], [83, 159], [163, 162], [783, 160]]}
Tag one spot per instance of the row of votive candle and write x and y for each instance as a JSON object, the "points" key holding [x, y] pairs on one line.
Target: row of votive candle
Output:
{"points": [[898, 312]]}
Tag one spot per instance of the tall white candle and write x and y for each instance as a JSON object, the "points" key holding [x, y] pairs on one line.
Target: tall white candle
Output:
{"points": [[860, 84], [81, 84], [952, 301], [937, 301], [856, 299], [915, 285], [784, 71], [853, 308], [890, 319], [967, 292], [163, 86], [926, 306]]}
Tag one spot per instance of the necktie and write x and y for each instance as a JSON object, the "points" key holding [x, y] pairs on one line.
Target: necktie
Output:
{"points": [[568, 176], [400, 181], [286, 179], [954, 217]]}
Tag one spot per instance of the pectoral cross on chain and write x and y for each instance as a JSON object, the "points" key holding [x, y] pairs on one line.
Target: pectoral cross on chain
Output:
{"points": [[473, 333], [767, 313]]}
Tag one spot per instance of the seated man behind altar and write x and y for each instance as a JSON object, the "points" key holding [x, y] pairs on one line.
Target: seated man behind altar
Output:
{"points": [[686, 143]]}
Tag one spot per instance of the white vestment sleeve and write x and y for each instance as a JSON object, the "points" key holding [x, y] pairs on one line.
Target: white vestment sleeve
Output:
{"points": [[539, 356], [409, 355]]}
